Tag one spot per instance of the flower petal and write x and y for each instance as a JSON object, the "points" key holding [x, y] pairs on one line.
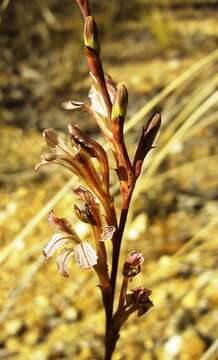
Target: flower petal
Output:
{"points": [[60, 224], [50, 137], [63, 259], [85, 255], [89, 144], [55, 243], [40, 164], [72, 105], [96, 98], [84, 195], [107, 232], [46, 159], [135, 258], [97, 101]]}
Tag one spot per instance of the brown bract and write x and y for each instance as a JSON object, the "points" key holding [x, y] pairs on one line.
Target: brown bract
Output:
{"points": [[149, 133]]}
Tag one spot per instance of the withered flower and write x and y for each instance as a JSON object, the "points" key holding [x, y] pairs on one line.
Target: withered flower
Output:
{"points": [[139, 298], [133, 265], [83, 253], [94, 149], [60, 153], [77, 157]]}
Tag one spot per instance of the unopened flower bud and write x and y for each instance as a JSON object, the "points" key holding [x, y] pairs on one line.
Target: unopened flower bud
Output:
{"points": [[149, 133], [133, 266], [120, 102], [135, 258], [91, 37]]}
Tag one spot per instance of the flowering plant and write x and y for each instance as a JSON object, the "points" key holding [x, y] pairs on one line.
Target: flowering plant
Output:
{"points": [[87, 159]]}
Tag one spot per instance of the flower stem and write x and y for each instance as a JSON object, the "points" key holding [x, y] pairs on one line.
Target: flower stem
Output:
{"points": [[116, 248], [110, 345]]}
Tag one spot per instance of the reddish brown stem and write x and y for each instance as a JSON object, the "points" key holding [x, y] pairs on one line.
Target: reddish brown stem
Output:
{"points": [[84, 6], [116, 246], [123, 291], [102, 271]]}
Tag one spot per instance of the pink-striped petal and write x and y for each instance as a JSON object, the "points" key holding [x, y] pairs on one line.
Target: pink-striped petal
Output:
{"points": [[63, 260], [107, 232], [85, 255], [55, 243], [59, 224]]}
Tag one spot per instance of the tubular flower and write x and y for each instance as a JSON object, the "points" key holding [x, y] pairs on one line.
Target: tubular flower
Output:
{"points": [[77, 157], [94, 149], [83, 253]]}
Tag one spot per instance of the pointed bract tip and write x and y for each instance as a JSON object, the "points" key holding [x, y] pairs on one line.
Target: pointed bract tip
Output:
{"points": [[154, 124], [148, 135]]}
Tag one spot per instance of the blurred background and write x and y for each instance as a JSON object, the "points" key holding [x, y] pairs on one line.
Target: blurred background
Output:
{"points": [[166, 53]]}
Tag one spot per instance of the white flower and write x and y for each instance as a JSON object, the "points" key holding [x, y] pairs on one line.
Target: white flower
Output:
{"points": [[83, 253]]}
